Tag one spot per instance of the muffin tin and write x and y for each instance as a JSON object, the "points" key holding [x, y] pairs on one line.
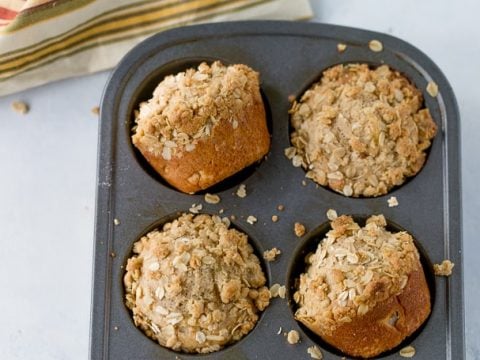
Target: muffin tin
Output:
{"points": [[132, 199]]}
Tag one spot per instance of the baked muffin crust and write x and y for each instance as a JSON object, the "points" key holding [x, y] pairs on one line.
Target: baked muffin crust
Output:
{"points": [[360, 131], [195, 285]]}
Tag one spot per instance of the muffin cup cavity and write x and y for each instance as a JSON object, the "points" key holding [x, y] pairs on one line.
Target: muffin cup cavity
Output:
{"points": [[321, 112], [298, 265], [153, 328], [144, 93]]}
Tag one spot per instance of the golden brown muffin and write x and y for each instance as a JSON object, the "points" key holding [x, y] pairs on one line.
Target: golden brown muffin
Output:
{"points": [[361, 131], [364, 290], [195, 285], [202, 126]]}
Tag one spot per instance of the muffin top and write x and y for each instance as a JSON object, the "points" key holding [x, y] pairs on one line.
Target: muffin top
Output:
{"points": [[195, 285], [352, 270], [186, 107], [360, 131]]}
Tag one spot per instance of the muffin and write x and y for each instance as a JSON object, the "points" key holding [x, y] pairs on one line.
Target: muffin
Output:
{"points": [[361, 131], [202, 126], [364, 290], [195, 285]]}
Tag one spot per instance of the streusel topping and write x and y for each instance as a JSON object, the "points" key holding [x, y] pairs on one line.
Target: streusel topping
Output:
{"points": [[195, 285], [360, 131], [186, 107], [353, 269]]}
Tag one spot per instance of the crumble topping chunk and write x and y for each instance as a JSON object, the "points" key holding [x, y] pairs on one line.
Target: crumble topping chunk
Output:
{"points": [[271, 255], [293, 337], [299, 229], [443, 269]]}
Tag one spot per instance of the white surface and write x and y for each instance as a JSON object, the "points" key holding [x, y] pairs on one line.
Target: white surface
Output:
{"points": [[47, 181]]}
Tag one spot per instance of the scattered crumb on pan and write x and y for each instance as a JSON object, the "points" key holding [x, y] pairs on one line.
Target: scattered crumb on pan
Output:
{"points": [[407, 352], [299, 229], [392, 201], [251, 219], [278, 290], [293, 337], [443, 269], [331, 214], [432, 89], [195, 208], [315, 352], [212, 198], [375, 45], [271, 255], [242, 191]]}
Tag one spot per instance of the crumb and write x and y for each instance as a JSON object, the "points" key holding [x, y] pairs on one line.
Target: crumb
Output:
{"points": [[242, 191], [407, 352], [278, 290], [443, 269], [341, 47], [392, 202], [274, 218], [274, 290], [226, 221], [115, 328], [95, 110], [299, 229], [195, 209], [315, 352], [290, 152], [20, 107], [221, 211], [251, 219], [112, 254], [233, 217], [432, 89], [291, 98], [331, 214], [375, 45], [271, 255], [280, 207], [293, 337], [279, 331], [116, 221], [304, 183], [212, 198]]}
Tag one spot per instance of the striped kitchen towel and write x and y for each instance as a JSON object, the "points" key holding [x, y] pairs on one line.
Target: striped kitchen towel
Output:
{"points": [[47, 40]]}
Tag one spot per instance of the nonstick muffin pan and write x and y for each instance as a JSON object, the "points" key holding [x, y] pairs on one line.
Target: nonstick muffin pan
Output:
{"points": [[132, 199]]}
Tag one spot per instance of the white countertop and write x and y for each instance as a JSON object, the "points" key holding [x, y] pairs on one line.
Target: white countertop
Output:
{"points": [[48, 169]]}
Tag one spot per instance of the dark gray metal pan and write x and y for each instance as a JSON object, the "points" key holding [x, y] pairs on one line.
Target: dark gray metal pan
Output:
{"points": [[289, 57]]}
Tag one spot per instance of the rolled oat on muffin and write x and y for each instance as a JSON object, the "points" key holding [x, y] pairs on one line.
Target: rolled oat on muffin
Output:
{"points": [[195, 285], [361, 131]]}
